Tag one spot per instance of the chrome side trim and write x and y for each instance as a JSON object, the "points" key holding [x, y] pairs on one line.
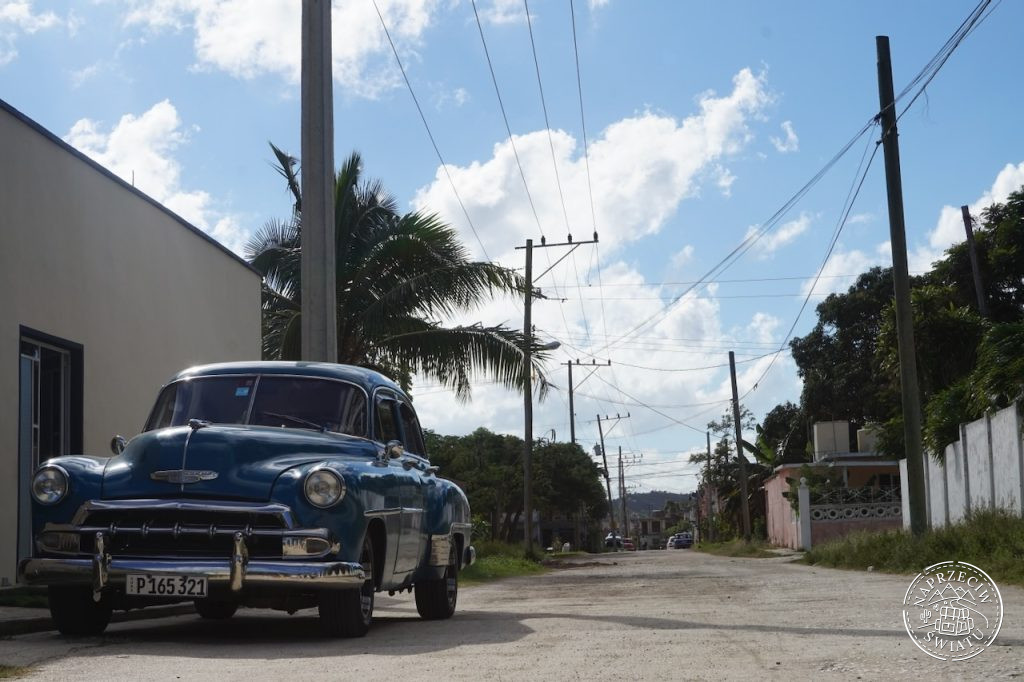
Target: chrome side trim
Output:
{"points": [[289, 574], [391, 511], [282, 512]]}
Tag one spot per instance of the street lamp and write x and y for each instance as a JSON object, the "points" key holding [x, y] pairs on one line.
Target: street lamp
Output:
{"points": [[528, 427]]}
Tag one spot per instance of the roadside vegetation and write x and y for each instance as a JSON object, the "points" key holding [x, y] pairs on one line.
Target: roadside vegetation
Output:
{"points": [[499, 560], [13, 672], [991, 540], [736, 548]]}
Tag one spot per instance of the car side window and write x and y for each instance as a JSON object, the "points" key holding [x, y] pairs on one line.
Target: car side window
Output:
{"points": [[387, 420], [411, 429]]}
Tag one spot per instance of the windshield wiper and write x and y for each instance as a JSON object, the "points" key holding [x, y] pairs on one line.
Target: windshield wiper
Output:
{"points": [[297, 420]]}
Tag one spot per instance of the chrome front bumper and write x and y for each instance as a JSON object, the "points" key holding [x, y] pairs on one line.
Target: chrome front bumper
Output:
{"points": [[223, 573]]}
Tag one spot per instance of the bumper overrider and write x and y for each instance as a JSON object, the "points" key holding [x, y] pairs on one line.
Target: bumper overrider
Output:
{"points": [[304, 562]]}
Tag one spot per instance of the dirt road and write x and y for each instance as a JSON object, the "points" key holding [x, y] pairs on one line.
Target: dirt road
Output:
{"points": [[656, 615]]}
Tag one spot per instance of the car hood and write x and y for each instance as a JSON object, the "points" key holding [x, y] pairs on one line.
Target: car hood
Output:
{"points": [[228, 461]]}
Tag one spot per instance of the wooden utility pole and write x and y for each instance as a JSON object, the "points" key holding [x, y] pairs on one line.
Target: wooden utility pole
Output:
{"points": [[528, 398], [572, 410], [741, 460], [528, 376], [319, 303], [707, 489], [911, 397], [622, 498], [975, 269]]}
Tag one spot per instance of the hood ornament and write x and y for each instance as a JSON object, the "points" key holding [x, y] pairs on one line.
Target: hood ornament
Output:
{"points": [[183, 476]]}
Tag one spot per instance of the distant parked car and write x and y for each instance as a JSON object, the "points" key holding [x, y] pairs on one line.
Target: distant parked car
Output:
{"points": [[613, 540], [682, 541], [628, 544]]}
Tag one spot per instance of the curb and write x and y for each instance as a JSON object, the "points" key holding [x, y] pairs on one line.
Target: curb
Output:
{"points": [[25, 626]]}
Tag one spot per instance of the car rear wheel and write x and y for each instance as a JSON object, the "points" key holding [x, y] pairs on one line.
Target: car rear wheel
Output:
{"points": [[74, 612], [215, 610], [435, 599], [348, 613]]}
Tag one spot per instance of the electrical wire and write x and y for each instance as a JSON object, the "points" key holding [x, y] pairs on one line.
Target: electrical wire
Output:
{"points": [[426, 125]]}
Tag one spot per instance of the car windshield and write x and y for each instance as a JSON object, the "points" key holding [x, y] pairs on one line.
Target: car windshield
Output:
{"points": [[292, 402]]}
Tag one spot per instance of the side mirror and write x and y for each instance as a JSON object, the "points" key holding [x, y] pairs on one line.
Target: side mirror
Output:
{"points": [[395, 449], [117, 444]]}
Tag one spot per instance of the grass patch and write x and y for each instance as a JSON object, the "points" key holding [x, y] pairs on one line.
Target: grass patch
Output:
{"points": [[496, 560], [24, 597], [992, 540], [10, 672], [757, 549]]}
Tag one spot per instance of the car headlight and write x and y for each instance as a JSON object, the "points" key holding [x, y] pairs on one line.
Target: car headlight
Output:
{"points": [[324, 488], [50, 484]]}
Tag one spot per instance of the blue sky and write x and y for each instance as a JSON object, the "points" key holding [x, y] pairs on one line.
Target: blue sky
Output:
{"points": [[702, 119]]}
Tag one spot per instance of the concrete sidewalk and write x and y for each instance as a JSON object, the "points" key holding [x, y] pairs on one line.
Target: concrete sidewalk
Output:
{"points": [[15, 620]]}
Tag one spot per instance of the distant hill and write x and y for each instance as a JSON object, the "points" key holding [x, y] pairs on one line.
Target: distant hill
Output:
{"points": [[654, 500]]}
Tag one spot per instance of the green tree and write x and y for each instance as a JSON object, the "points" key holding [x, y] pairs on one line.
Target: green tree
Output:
{"points": [[785, 430], [837, 358], [397, 276]]}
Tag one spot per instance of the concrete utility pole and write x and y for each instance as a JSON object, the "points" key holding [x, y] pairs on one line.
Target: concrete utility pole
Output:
{"points": [[901, 285], [975, 269], [572, 409], [741, 459], [604, 459], [528, 375], [319, 305]]}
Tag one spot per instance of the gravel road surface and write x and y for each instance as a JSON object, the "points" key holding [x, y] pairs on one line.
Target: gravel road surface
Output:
{"points": [[656, 615]]}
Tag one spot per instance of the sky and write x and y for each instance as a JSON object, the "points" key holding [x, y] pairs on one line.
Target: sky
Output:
{"points": [[681, 131]]}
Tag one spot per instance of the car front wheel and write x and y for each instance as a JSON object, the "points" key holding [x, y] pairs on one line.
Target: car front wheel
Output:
{"points": [[74, 612], [435, 599], [348, 613]]}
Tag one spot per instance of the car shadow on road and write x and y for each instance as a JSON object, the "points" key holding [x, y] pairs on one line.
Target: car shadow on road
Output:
{"points": [[398, 631]]}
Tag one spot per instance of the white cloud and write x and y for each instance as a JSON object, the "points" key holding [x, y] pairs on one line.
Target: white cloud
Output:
{"points": [[683, 256], [724, 180], [642, 167], [859, 218], [767, 245], [949, 229], [140, 150], [503, 12], [230, 36], [17, 18], [790, 144], [843, 262]]}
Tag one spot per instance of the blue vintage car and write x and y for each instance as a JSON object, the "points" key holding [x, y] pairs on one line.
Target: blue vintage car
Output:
{"points": [[268, 484]]}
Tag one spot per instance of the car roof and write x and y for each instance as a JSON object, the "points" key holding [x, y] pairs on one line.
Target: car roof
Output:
{"points": [[368, 379]]}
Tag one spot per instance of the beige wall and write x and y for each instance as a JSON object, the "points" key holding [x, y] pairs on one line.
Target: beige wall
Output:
{"points": [[86, 258]]}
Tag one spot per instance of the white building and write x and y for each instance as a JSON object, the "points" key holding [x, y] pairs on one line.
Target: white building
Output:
{"points": [[104, 295]]}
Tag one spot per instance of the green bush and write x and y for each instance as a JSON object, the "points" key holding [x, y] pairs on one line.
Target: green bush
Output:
{"points": [[992, 540]]}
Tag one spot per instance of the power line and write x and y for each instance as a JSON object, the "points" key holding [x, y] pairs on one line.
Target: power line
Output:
{"points": [[547, 124], [426, 125], [851, 198], [504, 116]]}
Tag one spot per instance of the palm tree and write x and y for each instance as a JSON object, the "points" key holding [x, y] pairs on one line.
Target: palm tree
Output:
{"points": [[397, 276]]}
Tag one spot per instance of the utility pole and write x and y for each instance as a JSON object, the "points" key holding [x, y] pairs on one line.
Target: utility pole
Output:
{"points": [[604, 459], [975, 269], [741, 459], [528, 375], [707, 489], [622, 499], [319, 325], [572, 409], [911, 397]]}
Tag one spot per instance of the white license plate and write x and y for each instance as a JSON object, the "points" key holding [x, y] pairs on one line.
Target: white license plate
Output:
{"points": [[166, 585]]}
